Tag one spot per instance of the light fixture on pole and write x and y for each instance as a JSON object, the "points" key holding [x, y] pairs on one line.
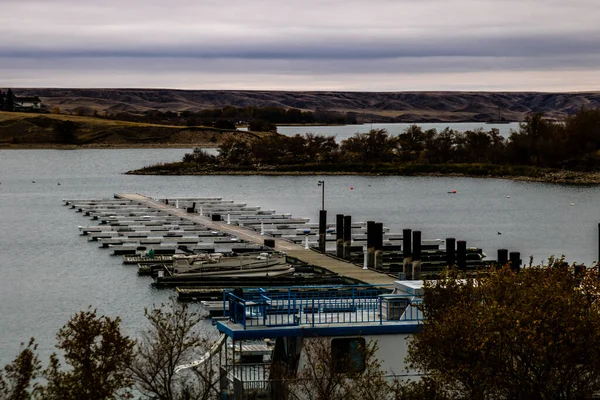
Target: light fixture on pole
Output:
{"points": [[322, 184]]}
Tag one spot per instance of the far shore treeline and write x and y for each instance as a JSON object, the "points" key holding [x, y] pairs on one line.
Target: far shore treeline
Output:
{"points": [[537, 147], [257, 118]]}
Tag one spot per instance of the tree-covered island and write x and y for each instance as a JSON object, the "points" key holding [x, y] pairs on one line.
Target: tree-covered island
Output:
{"points": [[541, 150]]}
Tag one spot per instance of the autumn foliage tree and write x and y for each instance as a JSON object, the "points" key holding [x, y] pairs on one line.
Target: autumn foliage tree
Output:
{"points": [[506, 335], [16, 378], [97, 355]]}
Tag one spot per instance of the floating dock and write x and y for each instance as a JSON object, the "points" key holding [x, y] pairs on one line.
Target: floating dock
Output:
{"points": [[308, 256], [132, 224]]}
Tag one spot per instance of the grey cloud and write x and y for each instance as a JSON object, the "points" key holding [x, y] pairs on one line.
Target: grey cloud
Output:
{"points": [[185, 42], [510, 46]]}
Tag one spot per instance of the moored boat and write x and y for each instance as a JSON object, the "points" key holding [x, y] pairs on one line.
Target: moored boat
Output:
{"points": [[219, 265]]}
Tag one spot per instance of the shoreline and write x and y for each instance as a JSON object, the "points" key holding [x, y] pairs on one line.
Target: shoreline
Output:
{"points": [[557, 177], [560, 177], [33, 146]]}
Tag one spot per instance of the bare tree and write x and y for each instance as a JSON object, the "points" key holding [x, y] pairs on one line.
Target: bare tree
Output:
{"points": [[164, 367], [348, 375]]}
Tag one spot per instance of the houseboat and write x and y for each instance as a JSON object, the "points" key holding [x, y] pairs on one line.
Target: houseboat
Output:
{"points": [[347, 318]]}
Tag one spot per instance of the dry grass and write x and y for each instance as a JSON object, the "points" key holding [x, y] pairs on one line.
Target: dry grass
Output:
{"points": [[30, 130]]}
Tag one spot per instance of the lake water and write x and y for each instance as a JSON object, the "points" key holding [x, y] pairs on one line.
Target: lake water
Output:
{"points": [[48, 272]]}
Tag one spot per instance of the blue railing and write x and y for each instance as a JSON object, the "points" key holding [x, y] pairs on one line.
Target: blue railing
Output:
{"points": [[297, 306]]}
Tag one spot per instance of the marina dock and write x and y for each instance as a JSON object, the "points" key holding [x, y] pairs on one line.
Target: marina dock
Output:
{"points": [[340, 253], [294, 250]]}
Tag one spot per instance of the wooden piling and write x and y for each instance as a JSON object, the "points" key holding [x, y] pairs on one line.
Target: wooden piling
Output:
{"points": [[450, 252], [407, 252], [416, 255], [416, 245], [502, 257], [371, 244], [347, 236], [515, 261], [378, 245], [339, 235], [461, 255], [322, 229]]}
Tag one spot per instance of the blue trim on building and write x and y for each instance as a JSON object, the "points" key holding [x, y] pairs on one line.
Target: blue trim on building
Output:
{"points": [[299, 331]]}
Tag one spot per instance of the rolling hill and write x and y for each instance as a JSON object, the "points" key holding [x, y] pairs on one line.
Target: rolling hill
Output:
{"points": [[377, 106], [28, 130]]}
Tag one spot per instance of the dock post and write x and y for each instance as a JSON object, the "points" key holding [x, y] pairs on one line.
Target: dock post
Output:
{"points": [[450, 252], [322, 230], [201, 211], [416, 255], [262, 228], [515, 261], [339, 235], [306, 246], [407, 252], [347, 236], [370, 243], [228, 219], [191, 209], [461, 255], [378, 246], [176, 203], [365, 257], [502, 257]]}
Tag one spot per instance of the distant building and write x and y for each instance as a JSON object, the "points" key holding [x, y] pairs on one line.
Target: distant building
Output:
{"points": [[27, 103], [551, 119]]}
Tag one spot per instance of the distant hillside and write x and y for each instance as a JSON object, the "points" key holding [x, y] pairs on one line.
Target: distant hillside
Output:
{"points": [[18, 130], [378, 106]]}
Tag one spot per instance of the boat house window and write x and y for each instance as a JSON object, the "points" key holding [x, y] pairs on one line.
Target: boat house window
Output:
{"points": [[348, 355]]}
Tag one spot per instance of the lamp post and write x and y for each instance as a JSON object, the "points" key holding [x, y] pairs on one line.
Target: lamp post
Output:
{"points": [[322, 184]]}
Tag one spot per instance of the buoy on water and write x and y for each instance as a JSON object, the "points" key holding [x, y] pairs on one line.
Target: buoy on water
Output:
{"points": [[351, 187], [453, 192]]}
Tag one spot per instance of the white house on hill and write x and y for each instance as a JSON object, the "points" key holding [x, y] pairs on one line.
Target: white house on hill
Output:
{"points": [[27, 103]]}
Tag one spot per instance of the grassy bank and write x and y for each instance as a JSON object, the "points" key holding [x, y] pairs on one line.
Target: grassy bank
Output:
{"points": [[29, 130]]}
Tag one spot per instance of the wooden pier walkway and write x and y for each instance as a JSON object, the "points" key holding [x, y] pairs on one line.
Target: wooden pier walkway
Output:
{"points": [[311, 257]]}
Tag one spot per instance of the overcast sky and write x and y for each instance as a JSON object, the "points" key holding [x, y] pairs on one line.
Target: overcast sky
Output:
{"points": [[369, 45]]}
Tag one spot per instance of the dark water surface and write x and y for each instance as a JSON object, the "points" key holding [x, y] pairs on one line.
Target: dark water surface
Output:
{"points": [[48, 272]]}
